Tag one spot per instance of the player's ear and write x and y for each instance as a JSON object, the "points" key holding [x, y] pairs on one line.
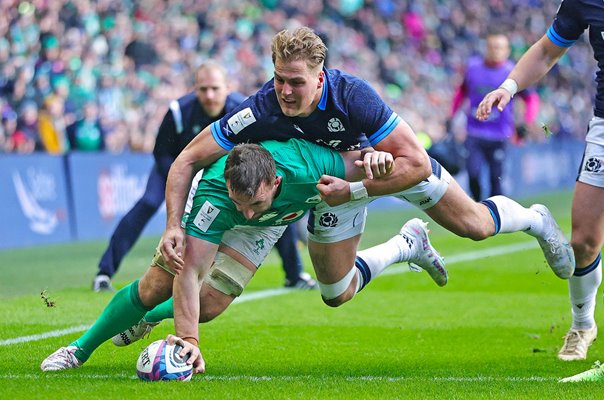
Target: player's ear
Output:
{"points": [[278, 180], [321, 79]]}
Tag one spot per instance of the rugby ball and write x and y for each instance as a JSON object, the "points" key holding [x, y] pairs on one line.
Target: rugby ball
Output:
{"points": [[160, 361]]}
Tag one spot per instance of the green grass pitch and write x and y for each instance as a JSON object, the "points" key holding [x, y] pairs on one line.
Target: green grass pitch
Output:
{"points": [[492, 333]]}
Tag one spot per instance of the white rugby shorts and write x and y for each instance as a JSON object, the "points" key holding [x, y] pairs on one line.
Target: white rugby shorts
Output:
{"points": [[592, 165], [253, 242], [333, 224]]}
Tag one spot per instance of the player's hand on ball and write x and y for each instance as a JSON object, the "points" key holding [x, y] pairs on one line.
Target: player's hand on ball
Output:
{"points": [[377, 164], [195, 357], [334, 191], [499, 97], [172, 248]]}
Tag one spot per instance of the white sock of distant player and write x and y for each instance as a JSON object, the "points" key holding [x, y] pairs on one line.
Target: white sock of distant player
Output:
{"points": [[514, 218], [377, 258], [583, 290]]}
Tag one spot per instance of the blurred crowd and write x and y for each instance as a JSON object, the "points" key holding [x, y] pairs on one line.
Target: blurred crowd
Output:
{"points": [[94, 75]]}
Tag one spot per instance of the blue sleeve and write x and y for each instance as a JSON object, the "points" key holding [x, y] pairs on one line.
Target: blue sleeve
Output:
{"points": [[229, 130], [370, 114], [248, 122], [165, 141], [568, 24]]}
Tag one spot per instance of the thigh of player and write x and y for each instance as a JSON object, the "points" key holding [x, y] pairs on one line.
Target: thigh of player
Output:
{"points": [[333, 237], [588, 201]]}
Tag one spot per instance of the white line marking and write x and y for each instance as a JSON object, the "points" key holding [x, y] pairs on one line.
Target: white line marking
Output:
{"points": [[456, 258], [60, 332], [249, 378]]}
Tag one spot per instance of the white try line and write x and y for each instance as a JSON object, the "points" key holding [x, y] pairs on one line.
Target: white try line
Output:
{"points": [[252, 378], [457, 258]]}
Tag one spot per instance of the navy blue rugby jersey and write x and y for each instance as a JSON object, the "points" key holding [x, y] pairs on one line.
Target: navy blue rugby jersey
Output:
{"points": [[183, 121], [572, 19], [349, 116]]}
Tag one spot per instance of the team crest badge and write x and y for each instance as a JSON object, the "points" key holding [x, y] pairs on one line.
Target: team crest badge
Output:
{"points": [[335, 125], [328, 220], [593, 165]]}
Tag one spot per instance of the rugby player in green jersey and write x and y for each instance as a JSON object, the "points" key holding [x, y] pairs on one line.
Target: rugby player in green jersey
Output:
{"points": [[241, 206]]}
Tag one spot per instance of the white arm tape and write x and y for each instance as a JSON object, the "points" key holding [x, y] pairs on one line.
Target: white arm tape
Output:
{"points": [[358, 191], [510, 85]]}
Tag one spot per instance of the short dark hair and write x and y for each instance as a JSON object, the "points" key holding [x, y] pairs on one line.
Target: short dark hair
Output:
{"points": [[497, 30], [247, 166]]}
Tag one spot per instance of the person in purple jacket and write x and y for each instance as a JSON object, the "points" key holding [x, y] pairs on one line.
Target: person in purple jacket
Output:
{"points": [[486, 141], [572, 19]]}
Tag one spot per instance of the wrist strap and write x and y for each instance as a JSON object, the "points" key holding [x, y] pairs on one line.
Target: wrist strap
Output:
{"points": [[510, 85], [190, 339], [358, 191]]}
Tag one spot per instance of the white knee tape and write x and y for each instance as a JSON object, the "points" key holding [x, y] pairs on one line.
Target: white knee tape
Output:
{"points": [[228, 276], [333, 290]]}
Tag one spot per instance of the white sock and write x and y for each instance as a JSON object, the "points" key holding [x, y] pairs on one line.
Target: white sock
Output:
{"points": [[372, 261], [515, 218], [583, 291]]}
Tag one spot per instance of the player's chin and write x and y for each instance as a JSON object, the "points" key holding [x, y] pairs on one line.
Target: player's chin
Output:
{"points": [[289, 109]]}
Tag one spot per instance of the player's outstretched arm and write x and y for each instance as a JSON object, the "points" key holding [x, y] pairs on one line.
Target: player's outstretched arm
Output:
{"points": [[197, 261], [531, 67], [199, 153]]}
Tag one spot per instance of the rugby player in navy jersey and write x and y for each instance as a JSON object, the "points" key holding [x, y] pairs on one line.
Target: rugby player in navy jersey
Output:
{"points": [[186, 117], [572, 19], [341, 111]]}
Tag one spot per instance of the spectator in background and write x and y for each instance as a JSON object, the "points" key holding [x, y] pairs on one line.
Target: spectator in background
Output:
{"points": [[26, 138], [185, 118], [486, 141], [87, 134], [52, 126], [374, 40], [7, 129]]}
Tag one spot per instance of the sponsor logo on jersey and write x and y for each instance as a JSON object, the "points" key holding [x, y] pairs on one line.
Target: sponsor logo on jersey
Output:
{"points": [[205, 216], [290, 217], [314, 200], [268, 216], [593, 165], [328, 220], [240, 120], [335, 125]]}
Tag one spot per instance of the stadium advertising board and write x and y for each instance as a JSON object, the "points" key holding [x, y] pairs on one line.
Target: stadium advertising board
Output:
{"points": [[105, 187], [35, 208]]}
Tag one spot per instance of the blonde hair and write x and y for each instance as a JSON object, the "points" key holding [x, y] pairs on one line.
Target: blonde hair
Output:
{"points": [[300, 44]]}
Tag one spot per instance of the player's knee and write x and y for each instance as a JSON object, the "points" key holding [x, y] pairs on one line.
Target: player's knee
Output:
{"points": [[585, 248], [337, 293], [338, 301], [208, 313], [228, 276]]}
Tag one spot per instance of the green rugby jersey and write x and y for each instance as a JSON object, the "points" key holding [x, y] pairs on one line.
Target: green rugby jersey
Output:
{"points": [[300, 163]]}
